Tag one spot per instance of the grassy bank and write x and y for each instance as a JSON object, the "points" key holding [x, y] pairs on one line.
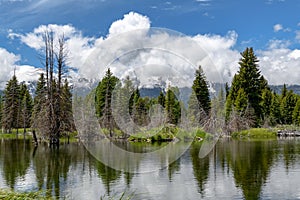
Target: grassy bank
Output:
{"points": [[11, 195], [71, 137], [167, 133], [256, 133]]}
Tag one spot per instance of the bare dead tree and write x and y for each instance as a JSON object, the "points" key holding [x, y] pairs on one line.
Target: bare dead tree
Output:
{"points": [[48, 120]]}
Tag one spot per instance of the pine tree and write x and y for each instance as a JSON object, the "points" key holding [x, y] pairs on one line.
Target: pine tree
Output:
{"points": [[40, 106], [287, 106], [161, 99], [1, 107], [227, 89], [103, 100], [26, 107], [67, 121], [172, 106], [284, 91], [251, 81], [200, 88], [296, 113], [266, 102], [275, 114], [11, 105], [241, 102]]}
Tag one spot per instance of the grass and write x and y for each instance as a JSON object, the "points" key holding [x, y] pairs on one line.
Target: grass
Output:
{"points": [[13, 135], [168, 133], [255, 133], [11, 195]]}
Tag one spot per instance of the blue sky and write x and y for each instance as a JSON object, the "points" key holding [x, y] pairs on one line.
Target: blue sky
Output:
{"points": [[272, 27]]}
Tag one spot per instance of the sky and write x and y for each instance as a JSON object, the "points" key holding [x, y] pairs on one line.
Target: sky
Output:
{"points": [[210, 33]]}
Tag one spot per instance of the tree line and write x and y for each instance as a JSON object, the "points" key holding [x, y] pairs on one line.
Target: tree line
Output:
{"points": [[49, 112], [247, 102], [139, 107], [251, 103]]}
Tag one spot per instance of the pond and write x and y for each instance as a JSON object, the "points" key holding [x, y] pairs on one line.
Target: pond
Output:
{"points": [[233, 170]]}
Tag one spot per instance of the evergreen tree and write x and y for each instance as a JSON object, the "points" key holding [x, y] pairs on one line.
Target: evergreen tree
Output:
{"points": [[241, 102], [296, 113], [11, 105], [26, 107], [39, 108], [200, 88], [67, 121], [284, 91], [103, 99], [275, 114], [266, 102], [1, 107], [142, 111], [251, 81], [227, 89], [161, 99], [172, 106], [287, 106]]}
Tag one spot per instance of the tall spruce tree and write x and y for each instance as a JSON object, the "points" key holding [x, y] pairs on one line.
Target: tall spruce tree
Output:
{"points": [[1, 107], [39, 101], [296, 113], [11, 105], [26, 107], [103, 100], [172, 105], [200, 88], [266, 102], [275, 114], [66, 115], [252, 82], [161, 99], [287, 106]]}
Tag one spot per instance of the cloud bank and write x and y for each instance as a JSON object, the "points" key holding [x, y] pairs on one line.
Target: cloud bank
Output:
{"points": [[9, 66], [160, 56]]}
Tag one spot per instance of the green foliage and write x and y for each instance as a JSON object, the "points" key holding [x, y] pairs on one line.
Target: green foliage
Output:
{"points": [[103, 98], [11, 104], [200, 88], [161, 99], [103, 94], [247, 88], [7, 194], [255, 133], [287, 106], [172, 106], [26, 107], [266, 102], [275, 114], [241, 101], [66, 115], [1, 107], [296, 113]]}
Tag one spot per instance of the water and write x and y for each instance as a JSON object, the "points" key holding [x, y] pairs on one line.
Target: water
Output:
{"points": [[233, 170]]}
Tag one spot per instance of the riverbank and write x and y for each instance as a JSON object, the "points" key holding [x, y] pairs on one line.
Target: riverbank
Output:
{"points": [[255, 133], [168, 133], [12, 195], [14, 135], [270, 133]]}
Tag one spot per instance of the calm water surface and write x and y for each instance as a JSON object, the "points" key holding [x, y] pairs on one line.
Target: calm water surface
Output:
{"points": [[233, 170]]}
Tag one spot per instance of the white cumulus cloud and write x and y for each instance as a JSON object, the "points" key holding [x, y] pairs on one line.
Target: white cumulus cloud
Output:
{"points": [[9, 66], [280, 65], [148, 54], [130, 21], [7, 62], [277, 27]]}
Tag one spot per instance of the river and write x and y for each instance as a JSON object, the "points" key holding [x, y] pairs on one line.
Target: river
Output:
{"points": [[268, 169]]}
